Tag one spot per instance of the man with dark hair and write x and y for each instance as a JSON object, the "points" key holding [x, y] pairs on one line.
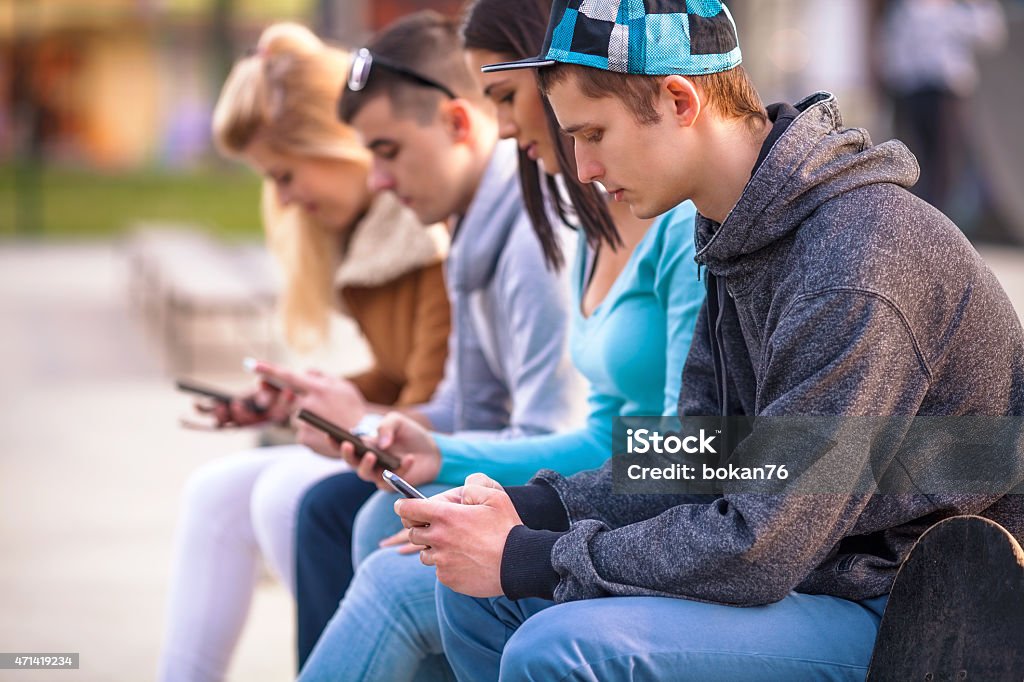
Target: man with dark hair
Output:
{"points": [[435, 144], [419, 64], [832, 293]]}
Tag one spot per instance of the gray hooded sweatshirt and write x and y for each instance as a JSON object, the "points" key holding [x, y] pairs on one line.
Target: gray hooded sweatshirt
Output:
{"points": [[838, 293], [508, 372]]}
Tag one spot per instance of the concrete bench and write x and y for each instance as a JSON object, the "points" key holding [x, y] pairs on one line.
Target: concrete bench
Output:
{"points": [[206, 300]]}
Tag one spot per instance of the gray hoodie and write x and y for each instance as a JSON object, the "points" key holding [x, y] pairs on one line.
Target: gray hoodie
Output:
{"points": [[840, 293]]}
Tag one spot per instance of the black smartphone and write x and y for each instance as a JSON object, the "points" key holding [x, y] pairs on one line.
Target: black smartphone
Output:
{"points": [[396, 482], [384, 458], [216, 394]]}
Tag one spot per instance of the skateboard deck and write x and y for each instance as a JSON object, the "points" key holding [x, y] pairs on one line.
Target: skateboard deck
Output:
{"points": [[956, 610]]}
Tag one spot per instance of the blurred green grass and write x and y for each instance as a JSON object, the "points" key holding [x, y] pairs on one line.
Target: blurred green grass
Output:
{"points": [[85, 204]]}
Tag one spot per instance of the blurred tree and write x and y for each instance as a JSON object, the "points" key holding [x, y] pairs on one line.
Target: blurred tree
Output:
{"points": [[222, 42], [28, 147]]}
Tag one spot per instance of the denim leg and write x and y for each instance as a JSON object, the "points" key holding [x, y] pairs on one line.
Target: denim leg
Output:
{"points": [[377, 520], [802, 637], [474, 631], [323, 552], [386, 628]]}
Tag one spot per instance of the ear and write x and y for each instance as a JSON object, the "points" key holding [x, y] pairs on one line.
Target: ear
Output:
{"points": [[457, 119], [683, 98]]}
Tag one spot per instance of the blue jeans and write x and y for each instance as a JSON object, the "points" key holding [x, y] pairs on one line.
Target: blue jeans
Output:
{"points": [[802, 637], [386, 627], [324, 564]]}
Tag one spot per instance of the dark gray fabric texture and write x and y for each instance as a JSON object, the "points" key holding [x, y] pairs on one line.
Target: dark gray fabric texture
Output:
{"points": [[845, 295], [539, 506]]}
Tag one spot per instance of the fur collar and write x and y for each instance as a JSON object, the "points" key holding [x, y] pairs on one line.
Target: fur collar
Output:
{"points": [[387, 243]]}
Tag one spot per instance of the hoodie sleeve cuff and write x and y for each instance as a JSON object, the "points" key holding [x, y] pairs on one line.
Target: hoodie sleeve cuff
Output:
{"points": [[526, 569], [539, 506]]}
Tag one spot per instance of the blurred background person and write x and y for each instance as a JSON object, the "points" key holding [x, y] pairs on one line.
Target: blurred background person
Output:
{"points": [[341, 246], [927, 59]]}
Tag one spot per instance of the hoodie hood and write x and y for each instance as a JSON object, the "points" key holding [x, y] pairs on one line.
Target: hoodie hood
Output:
{"points": [[485, 228], [814, 161], [387, 243]]}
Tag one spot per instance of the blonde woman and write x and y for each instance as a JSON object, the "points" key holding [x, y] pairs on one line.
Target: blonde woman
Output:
{"points": [[341, 247]]}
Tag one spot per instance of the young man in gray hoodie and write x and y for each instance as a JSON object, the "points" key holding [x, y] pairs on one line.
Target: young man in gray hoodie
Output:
{"points": [[832, 292]]}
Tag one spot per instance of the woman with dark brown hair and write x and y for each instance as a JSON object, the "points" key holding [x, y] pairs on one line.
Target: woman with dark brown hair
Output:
{"points": [[636, 297]]}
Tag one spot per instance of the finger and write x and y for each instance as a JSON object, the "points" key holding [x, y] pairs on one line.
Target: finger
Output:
{"points": [[428, 557], [399, 538], [478, 494], [420, 512], [483, 480], [282, 405], [453, 496], [220, 411], [294, 380], [241, 414], [422, 536], [282, 400], [368, 467], [348, 453], [406, 463], [388, 429], [409, 548], [414, 538]]}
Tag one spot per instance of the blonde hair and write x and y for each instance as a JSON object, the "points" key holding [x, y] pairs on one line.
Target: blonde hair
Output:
{"points": [[287, 93]]}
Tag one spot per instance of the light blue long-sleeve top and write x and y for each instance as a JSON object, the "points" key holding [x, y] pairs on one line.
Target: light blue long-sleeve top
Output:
{"points": [[631, 349]]}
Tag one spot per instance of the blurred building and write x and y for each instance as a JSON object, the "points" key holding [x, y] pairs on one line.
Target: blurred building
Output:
{"points": [[119, 83], [123, 83]]}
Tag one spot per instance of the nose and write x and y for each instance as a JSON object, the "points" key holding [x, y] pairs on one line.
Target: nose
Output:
{"points": [[380, 179], [285, 195], [507, 128], [587, 169]]}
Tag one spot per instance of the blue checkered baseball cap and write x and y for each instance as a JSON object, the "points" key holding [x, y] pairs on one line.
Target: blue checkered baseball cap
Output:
{"points": [[649, 37]]}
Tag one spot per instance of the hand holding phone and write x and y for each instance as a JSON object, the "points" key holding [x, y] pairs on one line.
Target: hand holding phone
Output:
{"points": [[384, 458]]}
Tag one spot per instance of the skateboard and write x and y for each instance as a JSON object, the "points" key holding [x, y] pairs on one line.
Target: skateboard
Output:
{"points": [[956, 610]]}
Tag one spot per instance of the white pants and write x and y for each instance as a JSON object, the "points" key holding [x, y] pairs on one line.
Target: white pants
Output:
{"points": [[236, 511]]}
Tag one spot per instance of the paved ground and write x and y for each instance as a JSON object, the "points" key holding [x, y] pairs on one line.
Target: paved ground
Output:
{"points": [[92, 463]]}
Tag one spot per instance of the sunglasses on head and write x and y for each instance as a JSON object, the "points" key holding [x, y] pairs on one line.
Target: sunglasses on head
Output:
{"points": [[365, 60]]}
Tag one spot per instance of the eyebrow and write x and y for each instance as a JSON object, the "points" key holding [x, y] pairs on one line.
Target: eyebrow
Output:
{"points": [[569, 130], [489, 88]]}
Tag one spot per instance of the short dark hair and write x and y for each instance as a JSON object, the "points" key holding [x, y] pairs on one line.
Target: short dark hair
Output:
{"points": [[729, 93], [515, 29], [426, 43]]}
